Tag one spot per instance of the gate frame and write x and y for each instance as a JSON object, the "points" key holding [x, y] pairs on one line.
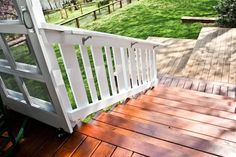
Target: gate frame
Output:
{"points": [[30, 12]]}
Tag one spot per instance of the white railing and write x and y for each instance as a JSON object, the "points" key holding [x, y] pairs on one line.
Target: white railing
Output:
{"points": [[114, 67]]}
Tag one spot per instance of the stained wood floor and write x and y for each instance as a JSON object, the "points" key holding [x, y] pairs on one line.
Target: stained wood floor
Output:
{"points": [[169, 120], [211, 58]]}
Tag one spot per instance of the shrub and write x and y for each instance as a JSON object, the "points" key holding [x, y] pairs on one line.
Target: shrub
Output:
{"points": [[103, 2], [227, 13]]}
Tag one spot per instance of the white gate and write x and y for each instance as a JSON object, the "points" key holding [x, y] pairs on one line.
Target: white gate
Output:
{"points": [[100, 69], [26, 82]]}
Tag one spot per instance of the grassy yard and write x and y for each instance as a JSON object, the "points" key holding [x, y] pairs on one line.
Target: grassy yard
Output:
{"points": [[160, 18]]}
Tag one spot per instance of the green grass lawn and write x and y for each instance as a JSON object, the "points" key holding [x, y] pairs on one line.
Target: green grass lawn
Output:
{"points": [[161, 18]]}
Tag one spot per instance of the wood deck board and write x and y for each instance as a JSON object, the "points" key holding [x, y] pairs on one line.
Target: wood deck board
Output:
{"points": [[84, 150], [224, 123], [169, 135], [148, 139], [104, 149], [155, 123], [135, 145], [189, 107], [120, 152], [180, 123]]}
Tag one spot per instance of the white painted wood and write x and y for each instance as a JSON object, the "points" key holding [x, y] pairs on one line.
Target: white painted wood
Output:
{"points": [[110, 70], [125, 68], [143, 63], [100, 71], [147, 64], [29, 74], [119, 70], [133, 67], [150, 64], [89, 74], [98, 36], [154, 65], [74, 74], [15, 28], [24, 103], [138, 65], [83, 112]]}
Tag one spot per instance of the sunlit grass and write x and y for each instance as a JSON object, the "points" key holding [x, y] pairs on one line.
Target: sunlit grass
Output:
{"points": [[161, 18]]}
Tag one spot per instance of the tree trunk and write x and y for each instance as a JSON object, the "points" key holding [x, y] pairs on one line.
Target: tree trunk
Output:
{"points": [[128, 1]]}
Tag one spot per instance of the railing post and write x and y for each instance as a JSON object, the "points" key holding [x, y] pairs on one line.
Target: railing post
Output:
{"points": [[81, 9], [95, 15], [66, 13], [113, 5], [120, 3], [109, 9], [77, 22], [62, 17]]}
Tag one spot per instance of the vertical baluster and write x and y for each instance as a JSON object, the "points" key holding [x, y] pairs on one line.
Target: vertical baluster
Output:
{"points": [[154, 67], [89, 74], [125, 69], [151, 64], [133, 66], [143, 65], [74, 74], [119, 72], [110, 70], [100, 71], [138, 65], [147, 65]]}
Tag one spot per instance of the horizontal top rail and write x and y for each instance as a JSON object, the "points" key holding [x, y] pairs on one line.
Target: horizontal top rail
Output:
{"points": [[76, 31]]}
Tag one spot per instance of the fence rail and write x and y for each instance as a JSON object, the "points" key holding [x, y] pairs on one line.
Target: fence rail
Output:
{"points": [[93, 12], [115, 67]]}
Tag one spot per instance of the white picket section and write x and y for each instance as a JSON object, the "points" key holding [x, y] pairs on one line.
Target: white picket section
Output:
{"points": [[129, 64]]}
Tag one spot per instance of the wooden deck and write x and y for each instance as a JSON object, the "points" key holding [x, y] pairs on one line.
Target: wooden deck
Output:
{"points": [[211, 58], [164, 121]]}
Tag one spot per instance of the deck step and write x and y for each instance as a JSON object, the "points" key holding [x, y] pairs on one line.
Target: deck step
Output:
{"points": [[213, 120], [164, 133], [195, 94], [132, 144], [148, 139], [207, 110], [189, 98], [177, 122]]}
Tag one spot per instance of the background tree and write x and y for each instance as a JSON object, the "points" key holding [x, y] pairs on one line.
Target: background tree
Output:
{"points": [[7, 10]]}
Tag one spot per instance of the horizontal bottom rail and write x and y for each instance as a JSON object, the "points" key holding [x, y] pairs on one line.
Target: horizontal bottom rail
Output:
{"points": [[82, 112]]}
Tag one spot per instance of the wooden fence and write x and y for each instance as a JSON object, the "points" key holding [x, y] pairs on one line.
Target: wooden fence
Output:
{"points": [[93, 13]]}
